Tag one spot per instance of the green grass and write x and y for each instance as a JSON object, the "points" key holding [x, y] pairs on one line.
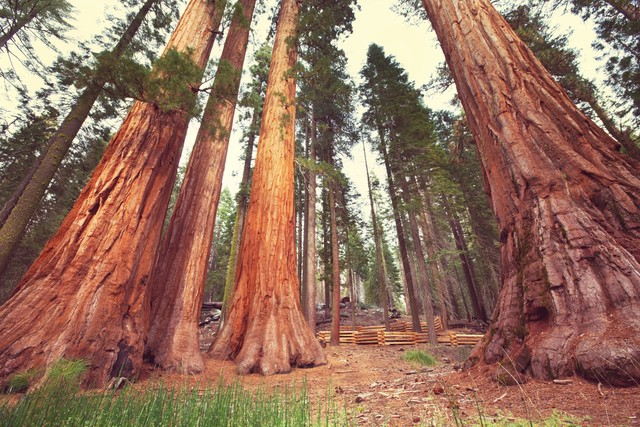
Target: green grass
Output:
{"points": [[418, 357], [217, 405], [21, 381], [57, 401]]}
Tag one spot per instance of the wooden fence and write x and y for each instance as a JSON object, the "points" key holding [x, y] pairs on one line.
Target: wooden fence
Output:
{"points": [[401, 333]]}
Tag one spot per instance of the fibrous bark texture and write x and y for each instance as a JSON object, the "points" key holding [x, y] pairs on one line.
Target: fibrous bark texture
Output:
{"points": [[178, 279], [25, 200], [567, 204], [266, 331], [90, 282]]}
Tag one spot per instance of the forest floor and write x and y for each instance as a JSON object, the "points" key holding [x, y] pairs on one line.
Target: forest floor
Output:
{"points": [[378, 387]]}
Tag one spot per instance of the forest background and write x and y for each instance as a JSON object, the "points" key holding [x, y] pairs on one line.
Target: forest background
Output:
{"points": [[537, 149], [376, 21]]}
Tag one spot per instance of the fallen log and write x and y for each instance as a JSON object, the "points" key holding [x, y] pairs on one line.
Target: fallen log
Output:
{"points": [[212, 304]]}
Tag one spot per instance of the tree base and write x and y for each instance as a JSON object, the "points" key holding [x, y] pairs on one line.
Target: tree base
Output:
{"points": [[181, 355], [606, 351], [269, 346]]}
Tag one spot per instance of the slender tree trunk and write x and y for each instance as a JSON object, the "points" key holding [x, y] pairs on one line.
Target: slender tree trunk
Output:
{"points": [[17, 192], [622, 137], [326, 255], [335, 268], [428, 230], [352, 295], [380, 263], [300, 235], [567, 204], [304, 253], [415, 313], [91, 278], [467, 310], [19, 24], [24, 202], [437, 239], [238, 226], [178, 279], [467, 267], [423, 275], [310, 272], [265, 331]]}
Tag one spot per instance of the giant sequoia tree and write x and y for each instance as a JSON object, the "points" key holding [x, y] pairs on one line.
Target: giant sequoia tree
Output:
{"points": [[90, 282], [266, 331], [22, 205], [567, 204], [178, 279]]}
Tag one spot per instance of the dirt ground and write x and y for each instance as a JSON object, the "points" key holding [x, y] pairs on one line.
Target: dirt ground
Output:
{"points": [[379, 388]]}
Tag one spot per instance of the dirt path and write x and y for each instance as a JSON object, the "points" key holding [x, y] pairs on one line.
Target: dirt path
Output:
{"points": [[379, 388]]}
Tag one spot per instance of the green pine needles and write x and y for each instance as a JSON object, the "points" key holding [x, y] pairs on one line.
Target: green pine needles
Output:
{"points": [[171, 85]]}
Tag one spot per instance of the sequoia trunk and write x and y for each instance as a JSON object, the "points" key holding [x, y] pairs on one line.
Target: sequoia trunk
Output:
{"points": [[23, 203], [266, 331], [567, 205], [90, 282], [178, 279]]}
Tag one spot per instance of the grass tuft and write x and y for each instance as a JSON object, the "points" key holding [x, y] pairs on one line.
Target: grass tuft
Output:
{"points": [[65, 373], [418, 357], [221, 405], [21, 381]]}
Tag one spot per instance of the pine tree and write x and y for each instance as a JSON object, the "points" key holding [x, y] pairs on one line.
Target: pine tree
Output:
{"points": [[386, 92], [27, 21]]}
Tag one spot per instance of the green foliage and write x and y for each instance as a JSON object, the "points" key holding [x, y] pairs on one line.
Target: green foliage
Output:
{"points": [[17, 154], [21, 381], [221, 246], [419, 357], [65, 375], [24, 22], [171, 84], [213, 406], [617, 26]]}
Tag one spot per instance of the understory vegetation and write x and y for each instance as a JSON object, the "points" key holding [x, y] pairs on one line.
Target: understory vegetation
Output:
{"points": [[59, 402], [55, 399]]}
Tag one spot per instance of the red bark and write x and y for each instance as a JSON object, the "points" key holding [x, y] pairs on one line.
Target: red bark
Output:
{"points": [[89, 285], [567, 204], [178, 280], [266, 331]]}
